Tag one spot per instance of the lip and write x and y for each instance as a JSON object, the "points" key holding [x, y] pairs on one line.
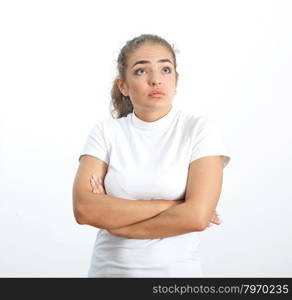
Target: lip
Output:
{"points": [[156, 93]]}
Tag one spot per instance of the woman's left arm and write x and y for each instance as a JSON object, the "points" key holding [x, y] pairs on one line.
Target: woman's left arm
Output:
{"points": [[203, 191], [174, 221]]}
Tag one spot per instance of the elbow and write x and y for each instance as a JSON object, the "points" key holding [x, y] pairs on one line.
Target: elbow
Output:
{"points": [[80, 210], [200, 227], [85, 215], [200, 224], [79, 216], [90, 211]]}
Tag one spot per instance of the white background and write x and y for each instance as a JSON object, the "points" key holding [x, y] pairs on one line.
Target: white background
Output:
{"points": [[57, 65]]}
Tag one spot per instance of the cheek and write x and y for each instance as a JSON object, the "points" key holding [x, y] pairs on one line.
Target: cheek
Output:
{"points": [[138, 86], [172, 83]]}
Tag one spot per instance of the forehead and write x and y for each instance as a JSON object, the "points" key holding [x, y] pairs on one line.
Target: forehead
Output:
{"points": [[151, 52]]}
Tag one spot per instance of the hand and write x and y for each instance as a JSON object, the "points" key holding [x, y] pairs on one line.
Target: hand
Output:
{"points": [[215, 219], [96, 184]]}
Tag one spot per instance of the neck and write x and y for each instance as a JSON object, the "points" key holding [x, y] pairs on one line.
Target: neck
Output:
{"points": [[151, 116]]}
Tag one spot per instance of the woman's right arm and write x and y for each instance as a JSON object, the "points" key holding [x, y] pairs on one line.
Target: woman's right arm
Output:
{"points": [[104, 211]]}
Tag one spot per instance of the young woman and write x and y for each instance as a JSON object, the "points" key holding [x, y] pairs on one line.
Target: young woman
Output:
{"points": [[151, 177]]}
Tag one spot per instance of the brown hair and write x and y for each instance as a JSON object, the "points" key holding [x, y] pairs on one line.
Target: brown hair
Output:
{"points": [[122, 105]]}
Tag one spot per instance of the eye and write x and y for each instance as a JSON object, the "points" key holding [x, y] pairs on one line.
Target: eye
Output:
{"points": [[168, 69], [136, 72]]}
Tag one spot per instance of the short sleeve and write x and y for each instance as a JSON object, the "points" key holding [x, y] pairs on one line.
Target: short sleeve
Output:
{"points": [[95, 144], [207, 141]]}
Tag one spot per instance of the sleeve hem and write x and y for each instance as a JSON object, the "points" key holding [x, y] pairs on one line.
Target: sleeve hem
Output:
{"points": [[226, 158], [101, 157]]}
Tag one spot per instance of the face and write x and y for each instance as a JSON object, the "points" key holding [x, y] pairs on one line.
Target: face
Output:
{"points": [[150, 68]]}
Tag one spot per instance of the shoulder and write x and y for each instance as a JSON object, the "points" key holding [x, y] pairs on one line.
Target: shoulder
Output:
{"points": [[193, 121], [109, 124]]}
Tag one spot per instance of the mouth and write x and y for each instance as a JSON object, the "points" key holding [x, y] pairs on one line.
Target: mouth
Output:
{"points": [[156, 94]]}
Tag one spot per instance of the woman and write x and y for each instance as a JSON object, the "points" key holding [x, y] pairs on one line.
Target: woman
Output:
{"points": [[170, 162]]}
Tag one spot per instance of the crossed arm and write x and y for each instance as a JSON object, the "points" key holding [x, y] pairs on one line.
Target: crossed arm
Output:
{"points": [[194, 213]]}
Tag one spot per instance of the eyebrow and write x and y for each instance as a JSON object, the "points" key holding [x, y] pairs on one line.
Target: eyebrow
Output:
{"points": [[147, 62]]}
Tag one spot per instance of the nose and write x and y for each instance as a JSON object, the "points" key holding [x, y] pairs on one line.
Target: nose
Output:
{"points": [[155, 80]]}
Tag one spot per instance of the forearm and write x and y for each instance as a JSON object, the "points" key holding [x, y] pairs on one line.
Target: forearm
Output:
{"points": [[176, 220], [104, 211]]}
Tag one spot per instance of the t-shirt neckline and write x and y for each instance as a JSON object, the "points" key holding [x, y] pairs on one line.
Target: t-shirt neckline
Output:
{"points": [[163, 122]]}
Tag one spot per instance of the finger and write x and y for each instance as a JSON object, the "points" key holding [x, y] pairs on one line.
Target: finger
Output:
{"points": [[95, 187], [216, 216], [217, 222], [214, 219], [94, 190], [100, 185], [97, 180]]}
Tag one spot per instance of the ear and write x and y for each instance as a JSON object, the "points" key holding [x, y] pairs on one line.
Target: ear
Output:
{"points": [[122, 86]]}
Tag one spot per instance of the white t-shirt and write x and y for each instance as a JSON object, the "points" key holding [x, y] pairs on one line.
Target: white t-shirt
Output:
{"points": [[150, 160]]}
